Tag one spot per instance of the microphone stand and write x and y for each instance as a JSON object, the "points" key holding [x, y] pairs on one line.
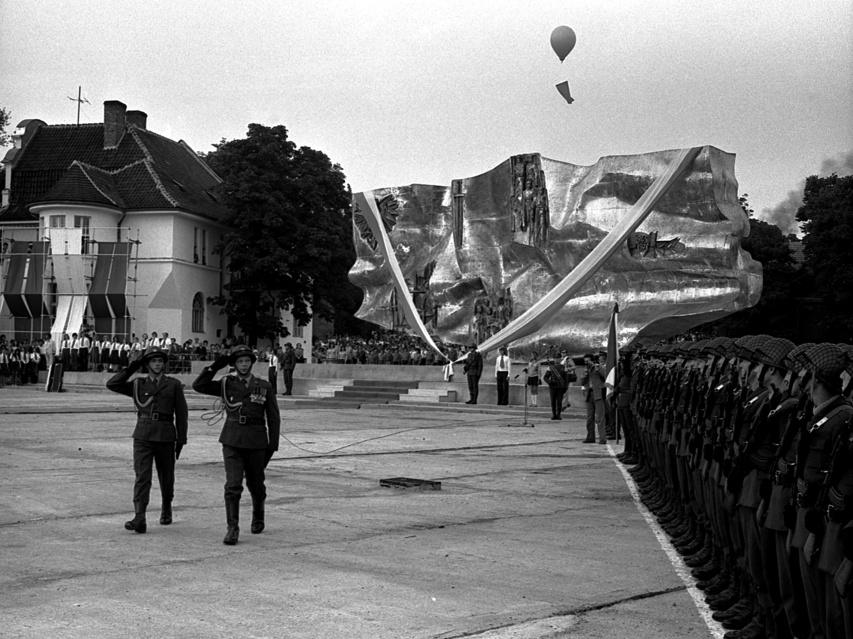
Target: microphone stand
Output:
{"points": [[525, 423]]}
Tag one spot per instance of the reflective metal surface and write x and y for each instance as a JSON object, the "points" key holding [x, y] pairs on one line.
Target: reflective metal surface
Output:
{"points": [[478, 253]]}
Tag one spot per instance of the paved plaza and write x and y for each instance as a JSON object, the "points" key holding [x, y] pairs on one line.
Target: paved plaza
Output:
{"points": [[533, 533]]}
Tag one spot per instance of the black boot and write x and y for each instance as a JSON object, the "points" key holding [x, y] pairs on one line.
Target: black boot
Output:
{"points": [[232, 517], [257, 517], [138, 523], [166, 513]]}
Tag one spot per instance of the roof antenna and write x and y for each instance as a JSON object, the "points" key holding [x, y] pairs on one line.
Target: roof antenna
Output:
{"points": [[79, 101]]}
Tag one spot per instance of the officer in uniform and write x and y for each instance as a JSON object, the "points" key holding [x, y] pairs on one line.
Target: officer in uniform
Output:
{"points": [[160, 433], [250, 434]]}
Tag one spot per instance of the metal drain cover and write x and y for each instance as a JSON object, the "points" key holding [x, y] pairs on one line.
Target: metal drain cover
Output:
{"points": [[407, 483]]}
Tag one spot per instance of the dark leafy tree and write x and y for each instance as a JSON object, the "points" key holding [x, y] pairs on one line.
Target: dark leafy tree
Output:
{"points": [[775, 313], [5, 118], [290, 247], [827, 222]]}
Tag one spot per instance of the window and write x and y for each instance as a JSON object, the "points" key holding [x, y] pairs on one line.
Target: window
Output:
{"points": [[195, 245], [82, 222], [297, 329], [204, 246], [198, 313], [57, 221]]}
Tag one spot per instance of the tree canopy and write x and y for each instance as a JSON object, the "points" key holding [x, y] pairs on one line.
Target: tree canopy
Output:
{"points": [[827, 221], [291, 245], [774, 313], [5, 118]]}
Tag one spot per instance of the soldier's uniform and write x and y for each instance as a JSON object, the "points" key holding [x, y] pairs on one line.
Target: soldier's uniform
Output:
{"points": [[249, 437], [160, 433]]}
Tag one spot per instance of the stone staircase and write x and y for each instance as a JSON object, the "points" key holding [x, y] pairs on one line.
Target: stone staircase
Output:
{"points": [[357, 393]]}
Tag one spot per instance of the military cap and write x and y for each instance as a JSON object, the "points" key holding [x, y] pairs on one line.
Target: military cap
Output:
{"points": [[847, 349], [698, 347], [794, 360], [240, 351], [151, 352], [742, 347], [772, 351], [825, 360], [718, 346]]}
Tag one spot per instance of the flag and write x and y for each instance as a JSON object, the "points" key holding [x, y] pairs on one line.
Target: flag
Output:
{"points": [[612, 355]]}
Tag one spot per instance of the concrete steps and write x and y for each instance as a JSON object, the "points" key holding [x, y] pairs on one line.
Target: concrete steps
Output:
{"points": [[428, 396], [357, 392]]}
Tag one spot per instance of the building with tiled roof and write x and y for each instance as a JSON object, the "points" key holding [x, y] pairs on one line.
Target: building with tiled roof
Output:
{"points": [[109, 225]]}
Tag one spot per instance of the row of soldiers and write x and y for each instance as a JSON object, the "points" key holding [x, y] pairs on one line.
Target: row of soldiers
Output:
{"points": [[743, 449]]}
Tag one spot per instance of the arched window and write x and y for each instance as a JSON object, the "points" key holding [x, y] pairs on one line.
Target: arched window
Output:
{"points": [[198, 313]]}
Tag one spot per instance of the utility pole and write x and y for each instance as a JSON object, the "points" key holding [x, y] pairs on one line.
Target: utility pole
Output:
{"points": [[79, 101]]}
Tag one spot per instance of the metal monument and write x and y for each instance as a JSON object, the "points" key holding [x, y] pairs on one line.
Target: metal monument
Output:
{"points": [[535, 252]]}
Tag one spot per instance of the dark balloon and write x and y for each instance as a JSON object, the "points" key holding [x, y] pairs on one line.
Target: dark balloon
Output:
{"points": [[563, 41]]}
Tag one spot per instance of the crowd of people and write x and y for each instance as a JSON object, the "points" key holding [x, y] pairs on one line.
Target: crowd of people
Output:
{"points": [[383, 347], [743, 449], [88, 351]]}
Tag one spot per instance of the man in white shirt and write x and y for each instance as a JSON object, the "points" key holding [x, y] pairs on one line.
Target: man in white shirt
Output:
{"points": [[272, 357], [502, 370]]}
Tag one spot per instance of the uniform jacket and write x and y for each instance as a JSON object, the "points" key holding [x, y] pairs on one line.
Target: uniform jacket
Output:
{"points": [[473, 364], [288, 360], [555, 376], [252, 418], [161, 408]]}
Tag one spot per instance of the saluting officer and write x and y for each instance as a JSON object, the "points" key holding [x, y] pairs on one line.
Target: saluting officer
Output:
{"points": [[160, 433], [250, 434]]}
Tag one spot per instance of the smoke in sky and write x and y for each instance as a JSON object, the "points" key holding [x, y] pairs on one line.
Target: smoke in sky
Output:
{"points": [[783, 214]]}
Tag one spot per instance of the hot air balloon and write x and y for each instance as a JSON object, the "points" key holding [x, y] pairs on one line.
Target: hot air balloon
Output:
{"points": [[563, 41]]}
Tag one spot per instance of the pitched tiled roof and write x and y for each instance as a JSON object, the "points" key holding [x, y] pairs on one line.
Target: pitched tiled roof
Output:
{"points": [[146, 170]]}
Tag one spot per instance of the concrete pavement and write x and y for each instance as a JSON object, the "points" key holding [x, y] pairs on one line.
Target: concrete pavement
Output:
{"points": [[534, 534]]}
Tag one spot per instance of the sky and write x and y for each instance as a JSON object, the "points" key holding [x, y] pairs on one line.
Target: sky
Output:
{"points": [[426, 92]]}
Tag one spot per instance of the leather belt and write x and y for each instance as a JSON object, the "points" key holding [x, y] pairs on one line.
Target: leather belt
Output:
{"points": [[245, 422], [805, 496], [838, 507], [155, 417], [784, 475]]}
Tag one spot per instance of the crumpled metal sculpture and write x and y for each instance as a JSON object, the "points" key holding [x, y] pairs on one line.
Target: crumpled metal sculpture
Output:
{"points": [[478, 253]]}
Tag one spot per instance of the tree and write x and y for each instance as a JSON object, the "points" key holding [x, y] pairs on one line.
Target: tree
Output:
{"points": [[827, 222], [5, 119], [774, 314], [291, 245]]}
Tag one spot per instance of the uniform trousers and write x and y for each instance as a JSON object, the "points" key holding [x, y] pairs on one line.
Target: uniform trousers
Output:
{"points": [[556, 400], [502, 381], [273, 380], [473, 386], [145, 455], [595, 418], [240, 462], [288, 379]]}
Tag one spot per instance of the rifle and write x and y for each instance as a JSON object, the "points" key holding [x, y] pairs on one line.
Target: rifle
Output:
{"points": [[815, 516]]}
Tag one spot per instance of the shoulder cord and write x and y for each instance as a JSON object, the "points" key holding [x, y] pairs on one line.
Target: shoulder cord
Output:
{"points": [[139, 404]]}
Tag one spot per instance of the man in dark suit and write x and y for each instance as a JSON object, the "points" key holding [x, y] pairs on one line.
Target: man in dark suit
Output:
{"points": [[250, 434], [287, 364], [473, 368], [160, 433]]}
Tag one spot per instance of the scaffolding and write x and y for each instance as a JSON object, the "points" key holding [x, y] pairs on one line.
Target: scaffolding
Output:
{"points": [[66, 280]]}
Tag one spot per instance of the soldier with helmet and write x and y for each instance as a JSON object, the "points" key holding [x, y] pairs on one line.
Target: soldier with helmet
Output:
{"points": [[250, 434], [160, 433]]}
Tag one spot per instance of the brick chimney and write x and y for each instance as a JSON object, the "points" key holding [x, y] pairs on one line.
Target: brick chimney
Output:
{"points": [[114, 114], [137, 118]]}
